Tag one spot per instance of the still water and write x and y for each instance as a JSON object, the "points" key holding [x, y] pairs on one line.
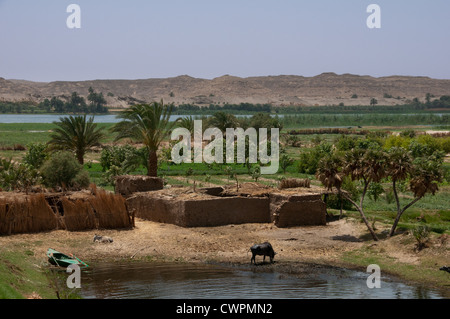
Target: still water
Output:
{"points": [[193, 281]]}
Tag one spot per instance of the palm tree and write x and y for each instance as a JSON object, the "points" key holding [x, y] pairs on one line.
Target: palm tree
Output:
{"points": [[368, 165], [148, 124], [76, 134], [329, 172], [187, 123], [222, 121], [424, 173]]}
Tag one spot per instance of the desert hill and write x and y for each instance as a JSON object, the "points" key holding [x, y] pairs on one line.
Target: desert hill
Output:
{"points": [[324, 89]]}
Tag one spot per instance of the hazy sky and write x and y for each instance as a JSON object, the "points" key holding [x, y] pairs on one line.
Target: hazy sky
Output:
{"points": [[209, 38]]}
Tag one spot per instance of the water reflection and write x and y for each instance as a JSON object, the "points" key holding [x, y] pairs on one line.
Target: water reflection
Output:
{"points": [[184, 281]]}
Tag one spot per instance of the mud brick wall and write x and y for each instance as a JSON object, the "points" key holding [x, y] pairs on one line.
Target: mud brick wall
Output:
{"points": [[200, 213], [284, 210], [161, 210], [226, 210], [126, 185], [297, 210]]}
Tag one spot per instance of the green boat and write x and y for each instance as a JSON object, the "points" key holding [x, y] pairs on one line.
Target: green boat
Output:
{"points": [[62, 260]]}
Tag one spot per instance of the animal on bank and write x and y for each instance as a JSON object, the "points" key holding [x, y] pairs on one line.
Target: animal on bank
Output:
{"points": [[102, 239], [445, 268], [264, 249]]}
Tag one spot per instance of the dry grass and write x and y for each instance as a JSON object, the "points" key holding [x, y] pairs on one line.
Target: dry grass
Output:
{"points": [[30, 213], [78, 215], [294, 183], [110, 210], [20, 213]]}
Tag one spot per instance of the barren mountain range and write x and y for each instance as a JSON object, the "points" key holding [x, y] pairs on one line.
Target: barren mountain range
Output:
{"points": [[324, 89]]}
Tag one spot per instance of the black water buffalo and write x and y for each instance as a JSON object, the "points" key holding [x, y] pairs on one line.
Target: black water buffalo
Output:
{"points": [[264, 249], [445, 268]]}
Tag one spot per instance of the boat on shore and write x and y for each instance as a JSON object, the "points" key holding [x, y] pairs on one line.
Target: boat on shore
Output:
{"points": [[59, 259]]}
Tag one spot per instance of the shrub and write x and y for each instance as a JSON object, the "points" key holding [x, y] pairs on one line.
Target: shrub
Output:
{"points": [[115, 155], [309, 160], [82, 180], [421, 234], [15, 176], [36, 155], [63, 170]]}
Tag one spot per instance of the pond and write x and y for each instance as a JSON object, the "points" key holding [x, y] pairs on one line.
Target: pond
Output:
{"points": [[146, 280]]}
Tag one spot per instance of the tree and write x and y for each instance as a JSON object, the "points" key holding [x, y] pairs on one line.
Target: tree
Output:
{"points": [[366, 165], [36, 155], [76, 103], [424, 174], [148, 124], [222, 121], [57, 105], [187, 123], [97, 100], [285, 162], [329, 172], [373, 101], [75, 134]]}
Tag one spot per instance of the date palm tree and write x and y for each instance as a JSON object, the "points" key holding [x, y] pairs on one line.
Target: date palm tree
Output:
{"points": [[76, 134], [187, 123], [148, 124], [222, 121]]}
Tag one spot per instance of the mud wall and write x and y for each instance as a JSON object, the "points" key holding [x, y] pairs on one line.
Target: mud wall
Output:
{"points": [[283, 210], [156, 209], [127, 185], [227, 210], [297, 210]]}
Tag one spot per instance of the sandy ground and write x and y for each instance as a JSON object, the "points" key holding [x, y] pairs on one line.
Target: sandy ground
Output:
{"points": [[229, 243]]}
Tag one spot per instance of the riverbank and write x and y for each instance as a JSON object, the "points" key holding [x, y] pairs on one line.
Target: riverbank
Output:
{"points": [[342, 243]]}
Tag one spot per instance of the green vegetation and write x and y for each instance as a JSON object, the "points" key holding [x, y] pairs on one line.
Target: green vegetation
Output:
{"points": [[75, 134], [64, 171], [147, 124], [20, 264], [73, 104]]}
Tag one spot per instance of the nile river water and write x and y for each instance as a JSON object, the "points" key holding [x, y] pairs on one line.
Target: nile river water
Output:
{"points": [[142, 280]]}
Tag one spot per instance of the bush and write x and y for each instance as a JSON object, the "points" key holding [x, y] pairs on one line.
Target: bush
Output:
{"points": [[309, 160], [421, 234], [114, 156], [15, 176], [36, 155], [63, 170], [445, 144]]}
